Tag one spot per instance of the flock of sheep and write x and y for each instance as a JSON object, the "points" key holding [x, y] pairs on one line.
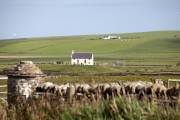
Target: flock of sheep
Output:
{"points": [[140, 89]]}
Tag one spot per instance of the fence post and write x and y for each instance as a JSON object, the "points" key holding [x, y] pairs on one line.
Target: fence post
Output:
{"points": [[70, 93], [179, 93], [167, 84]]}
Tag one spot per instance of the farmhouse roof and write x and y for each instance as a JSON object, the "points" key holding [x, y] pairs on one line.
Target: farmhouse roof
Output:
{"points": [[82, 56]]}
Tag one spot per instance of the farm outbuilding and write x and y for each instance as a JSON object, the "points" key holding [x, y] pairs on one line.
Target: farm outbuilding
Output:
{"points": [[82, 58]]}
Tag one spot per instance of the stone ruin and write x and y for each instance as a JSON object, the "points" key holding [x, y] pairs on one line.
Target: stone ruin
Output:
{"points": [[22, 80]]}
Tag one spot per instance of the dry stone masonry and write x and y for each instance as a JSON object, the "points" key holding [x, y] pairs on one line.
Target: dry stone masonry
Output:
{"points": [[23, 79]]}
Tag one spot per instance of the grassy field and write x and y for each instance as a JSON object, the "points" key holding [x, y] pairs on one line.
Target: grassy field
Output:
{"points": [[145, 51], [130, 45]]}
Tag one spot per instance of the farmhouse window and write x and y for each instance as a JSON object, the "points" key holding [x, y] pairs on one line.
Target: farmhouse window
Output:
{"points": [[77, 61], [84, 61]]}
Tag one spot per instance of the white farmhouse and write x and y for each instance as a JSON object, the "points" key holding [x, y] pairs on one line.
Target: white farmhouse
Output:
{"points": [[82, 58], [110, 37]]}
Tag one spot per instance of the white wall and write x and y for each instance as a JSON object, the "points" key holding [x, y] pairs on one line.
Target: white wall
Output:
{"points": [[82, 61]]}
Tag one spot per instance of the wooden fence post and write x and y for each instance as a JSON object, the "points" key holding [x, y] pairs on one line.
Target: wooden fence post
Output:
{"points": [[70, 93], [179, 93]]}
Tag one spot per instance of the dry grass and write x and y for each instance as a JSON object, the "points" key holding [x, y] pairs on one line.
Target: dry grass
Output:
{"points": [[52, 107]]}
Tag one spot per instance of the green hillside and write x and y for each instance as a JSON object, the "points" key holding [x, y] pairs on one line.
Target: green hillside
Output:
{"points": [[132, 46], [141, 52]]}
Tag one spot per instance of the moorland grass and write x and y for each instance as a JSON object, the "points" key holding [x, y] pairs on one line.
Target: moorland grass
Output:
{"points": [[120, 108]]}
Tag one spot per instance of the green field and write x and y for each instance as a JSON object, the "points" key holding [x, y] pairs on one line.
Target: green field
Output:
{"points": [[150, 45], [141, 52], [146, 52]]}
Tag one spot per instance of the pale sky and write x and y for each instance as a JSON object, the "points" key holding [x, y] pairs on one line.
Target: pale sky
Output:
{"points": [[41, 18]]}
